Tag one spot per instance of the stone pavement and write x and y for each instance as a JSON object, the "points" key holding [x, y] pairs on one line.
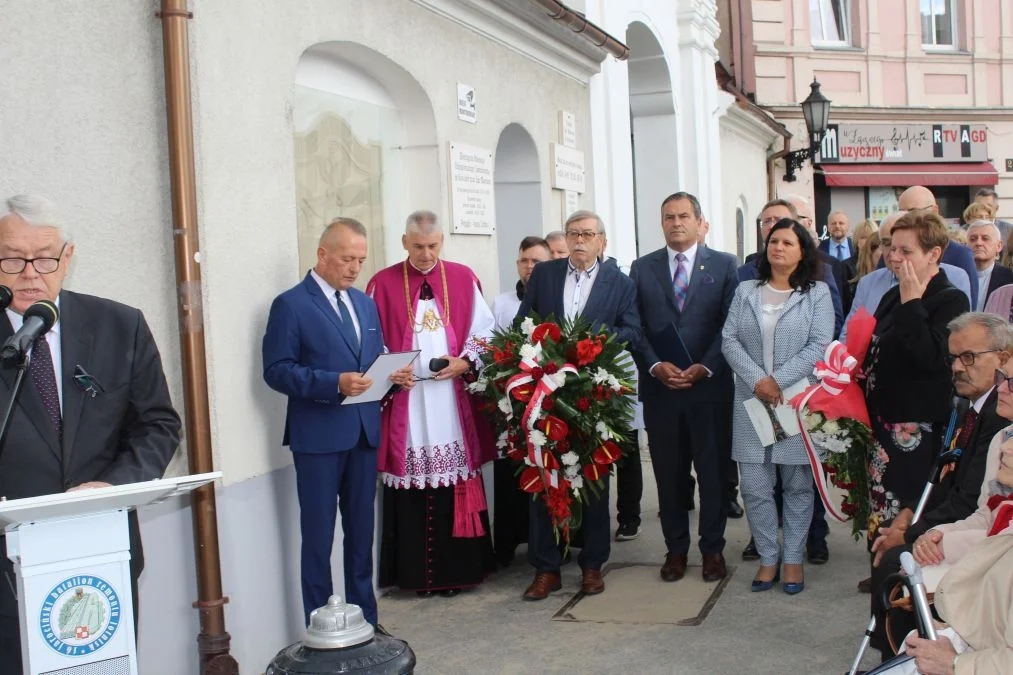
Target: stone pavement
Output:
{"points": [[491, 630]]}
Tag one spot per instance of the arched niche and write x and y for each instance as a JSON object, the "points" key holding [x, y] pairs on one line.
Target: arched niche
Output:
{"points": [[365, 148], [518, 197], [654, 133]]}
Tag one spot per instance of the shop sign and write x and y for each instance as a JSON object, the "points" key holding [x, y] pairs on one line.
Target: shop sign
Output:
{"points": [[875, 143], [567, 168], [471, 190]]}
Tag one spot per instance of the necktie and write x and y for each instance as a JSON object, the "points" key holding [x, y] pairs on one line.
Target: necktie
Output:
{"points": [[680, 281], [44, 378], [347, 325], [840, 251], [966, 428]]}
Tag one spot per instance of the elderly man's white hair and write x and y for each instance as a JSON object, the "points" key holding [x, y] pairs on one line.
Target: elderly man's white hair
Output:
{"points": [[36, 211], [422, 222], [985, 223]]}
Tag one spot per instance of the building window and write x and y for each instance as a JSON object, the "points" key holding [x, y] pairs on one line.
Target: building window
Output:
{"points": [[830, 22], [938, 23]]}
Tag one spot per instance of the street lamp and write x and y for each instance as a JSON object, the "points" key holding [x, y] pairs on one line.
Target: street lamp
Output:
{"points": [[816, 111]]}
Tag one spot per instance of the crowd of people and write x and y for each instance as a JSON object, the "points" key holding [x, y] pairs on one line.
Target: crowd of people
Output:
{"points": [[708, 336]]}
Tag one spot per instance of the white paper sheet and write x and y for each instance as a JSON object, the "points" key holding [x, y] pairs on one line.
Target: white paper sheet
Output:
{"points": [[784, 413], [380, 372]]}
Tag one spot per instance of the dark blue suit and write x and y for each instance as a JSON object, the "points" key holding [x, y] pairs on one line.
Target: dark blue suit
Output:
{"points": [[333, 446], [687, 425], [612, 304]]}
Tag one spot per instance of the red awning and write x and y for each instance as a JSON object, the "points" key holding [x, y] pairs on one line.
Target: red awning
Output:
{"points": [[904, 175]]}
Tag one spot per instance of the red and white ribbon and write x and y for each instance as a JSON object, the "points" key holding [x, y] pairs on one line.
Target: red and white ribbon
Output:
{"points": [[546, 385], [834, 373]]}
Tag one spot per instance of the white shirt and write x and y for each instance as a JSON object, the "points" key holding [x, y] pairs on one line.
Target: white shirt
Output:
{"points": [[53, 338], [845, 249], [984, 277], [577, 288], [673, 264], [504, 309], [978, 404], [331, 294]]}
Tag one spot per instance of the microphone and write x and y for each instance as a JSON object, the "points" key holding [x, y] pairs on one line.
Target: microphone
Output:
{"points": [[921, 600], [39, 318], [6, 296]]}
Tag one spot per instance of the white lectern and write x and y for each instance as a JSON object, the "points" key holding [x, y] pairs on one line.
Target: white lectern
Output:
{"points": [[71, 552]]}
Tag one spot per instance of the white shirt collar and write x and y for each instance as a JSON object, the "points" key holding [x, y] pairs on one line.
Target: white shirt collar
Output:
{"points": [[981, 401], [422, 270], [589, 271], [329, 291], [689, 254], [985, 272]]}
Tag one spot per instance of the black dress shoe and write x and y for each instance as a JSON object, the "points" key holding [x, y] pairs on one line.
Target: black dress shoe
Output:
{"points": [[817, 553], [450, 592], [749, 552], [734, 510], [424, 594]]}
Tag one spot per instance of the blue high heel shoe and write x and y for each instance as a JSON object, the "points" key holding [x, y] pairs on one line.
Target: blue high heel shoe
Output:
{"points": [[793, 588], [760, 586]]}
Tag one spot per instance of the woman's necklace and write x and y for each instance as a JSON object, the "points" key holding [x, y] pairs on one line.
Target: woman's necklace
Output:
{"points": [[430, 320]]}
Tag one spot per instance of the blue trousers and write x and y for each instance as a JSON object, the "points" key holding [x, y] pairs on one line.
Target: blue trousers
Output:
{"points": [[543, 551], [324, 482]]}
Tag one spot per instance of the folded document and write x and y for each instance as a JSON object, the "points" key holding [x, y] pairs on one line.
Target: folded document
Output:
{"points": [[775, 423]]}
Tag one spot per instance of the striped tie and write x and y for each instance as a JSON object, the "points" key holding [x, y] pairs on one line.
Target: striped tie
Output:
{"points": [[680, 282]]}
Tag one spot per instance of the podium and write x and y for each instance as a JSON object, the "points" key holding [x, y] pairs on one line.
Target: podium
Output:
{"points": [[71, 553]]}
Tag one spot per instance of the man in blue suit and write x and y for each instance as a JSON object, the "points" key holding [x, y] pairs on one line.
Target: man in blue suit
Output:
{"points": [[321, 335], [579, 285], [683, 294]]}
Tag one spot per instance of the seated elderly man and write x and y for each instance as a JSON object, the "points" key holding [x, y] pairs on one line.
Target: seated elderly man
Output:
{"points": [[979, 344], [975, 596]]}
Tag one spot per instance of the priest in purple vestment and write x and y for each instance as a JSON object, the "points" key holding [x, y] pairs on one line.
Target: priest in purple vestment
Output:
{"points": [[435, 527]]}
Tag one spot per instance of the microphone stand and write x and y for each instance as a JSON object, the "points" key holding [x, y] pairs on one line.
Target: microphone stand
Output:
{"points": [[19, 380]]}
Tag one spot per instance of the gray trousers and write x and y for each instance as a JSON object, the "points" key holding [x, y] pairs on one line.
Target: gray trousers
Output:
{"points": [[756, 483]]}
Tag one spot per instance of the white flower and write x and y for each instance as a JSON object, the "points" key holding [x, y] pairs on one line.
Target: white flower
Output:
{"points": [[571, 471], [504, 405], [577, 482], [537, 438], [570, 458], [531, 352], [528, 326], [614, 383], [813, 420], [501, 442], [600, 376], [831, 427], [603, 431], [478, 386]]}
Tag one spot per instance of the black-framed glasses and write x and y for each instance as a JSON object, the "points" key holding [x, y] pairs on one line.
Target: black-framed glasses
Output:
{"points": [[967, 358], [42, 265], [578, 236]]}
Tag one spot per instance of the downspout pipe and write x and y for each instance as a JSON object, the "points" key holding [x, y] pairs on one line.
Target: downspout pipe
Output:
{"points": [[578, 24], [213, 641]]}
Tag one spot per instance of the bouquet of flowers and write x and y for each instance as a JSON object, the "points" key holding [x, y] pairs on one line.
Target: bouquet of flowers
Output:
{"points": [[836, 430], [559, 398]]}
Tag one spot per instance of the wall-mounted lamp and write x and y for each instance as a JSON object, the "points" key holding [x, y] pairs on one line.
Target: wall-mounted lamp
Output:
{"points": [[816, 111]]}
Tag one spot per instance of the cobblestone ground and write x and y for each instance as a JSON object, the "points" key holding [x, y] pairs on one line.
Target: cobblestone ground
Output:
{"points": [[491, 630]]}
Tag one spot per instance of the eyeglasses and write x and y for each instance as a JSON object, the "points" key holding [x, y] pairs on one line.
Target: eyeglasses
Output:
{"points": [[41, 265], [967, 358], [578, 236], [1000, 377], [768, 222]]}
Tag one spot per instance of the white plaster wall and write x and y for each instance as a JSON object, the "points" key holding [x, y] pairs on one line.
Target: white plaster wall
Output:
{"points": [[656, 169], [744, 149]]}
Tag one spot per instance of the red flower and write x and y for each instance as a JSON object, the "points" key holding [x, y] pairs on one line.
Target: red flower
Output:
{"points": [[551, 368], [536, 373], [545, 331], [588, 350], [531, 480], [594, 472], [607, 453], [558, 502], [547, 404], [523, 392], [562, 446], [583, 404], [516, 452], [549, 460], [598, 392], [555, 429]]}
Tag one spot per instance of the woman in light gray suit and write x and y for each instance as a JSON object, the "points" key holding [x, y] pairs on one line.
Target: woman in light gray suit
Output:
{"points": [[777, 328]]}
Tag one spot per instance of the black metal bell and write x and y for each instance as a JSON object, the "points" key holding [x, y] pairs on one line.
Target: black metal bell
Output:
{"points": [[339, 640]]}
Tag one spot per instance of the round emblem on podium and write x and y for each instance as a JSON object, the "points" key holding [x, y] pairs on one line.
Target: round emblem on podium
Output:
{"points": [[80, 615]]}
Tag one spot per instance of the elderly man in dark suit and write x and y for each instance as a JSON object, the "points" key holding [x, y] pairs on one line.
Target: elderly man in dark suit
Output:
{"points": [[683, 294], [321, 335], [979, 344], [579, 285], [60, 438]]}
